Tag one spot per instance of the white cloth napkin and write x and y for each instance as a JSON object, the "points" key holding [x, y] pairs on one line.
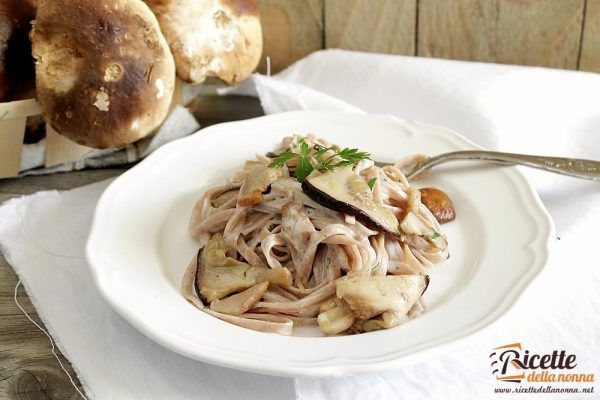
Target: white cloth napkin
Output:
{"points": [[43, 237], [179, 123], [502, 107], [507, 108]]}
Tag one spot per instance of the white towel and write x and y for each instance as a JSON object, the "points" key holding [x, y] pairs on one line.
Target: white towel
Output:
{"points": [[530, 110], [179, 123], [43, 237], [507, 108]]}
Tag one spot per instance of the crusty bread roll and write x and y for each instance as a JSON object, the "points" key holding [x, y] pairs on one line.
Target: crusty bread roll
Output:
{"points": [[16, 65], [105, 76], [220, 38]]}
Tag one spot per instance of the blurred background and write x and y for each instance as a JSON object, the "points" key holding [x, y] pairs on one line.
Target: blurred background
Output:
{"points": [[551, 33]]}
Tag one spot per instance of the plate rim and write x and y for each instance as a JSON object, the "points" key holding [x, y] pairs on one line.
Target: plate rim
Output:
{"points": [[347, 366]]}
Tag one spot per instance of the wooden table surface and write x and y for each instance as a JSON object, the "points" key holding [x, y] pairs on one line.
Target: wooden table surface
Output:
{"points": [[28, 370]]}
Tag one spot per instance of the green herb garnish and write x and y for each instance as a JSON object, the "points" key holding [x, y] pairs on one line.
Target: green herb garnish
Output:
{"points": [[303, 169], [282, 159], [320, 160], [371, 183], [435, 235]]}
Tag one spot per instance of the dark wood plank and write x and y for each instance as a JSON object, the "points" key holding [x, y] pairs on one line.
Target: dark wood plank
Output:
{"points": [[533, 32], [381, 26], [210, 110], [62, 181]]}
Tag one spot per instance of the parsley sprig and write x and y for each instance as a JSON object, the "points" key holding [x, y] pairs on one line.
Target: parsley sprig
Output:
{"points": [[322, 159], [371, 183]]}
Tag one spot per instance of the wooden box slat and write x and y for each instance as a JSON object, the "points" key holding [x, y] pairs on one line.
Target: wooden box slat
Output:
{"points": [[12, 132], [61, 150]]}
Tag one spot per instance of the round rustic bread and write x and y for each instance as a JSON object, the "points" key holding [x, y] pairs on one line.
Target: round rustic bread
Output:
{"points": [[221, 38], [16, 65], [105, 76]]}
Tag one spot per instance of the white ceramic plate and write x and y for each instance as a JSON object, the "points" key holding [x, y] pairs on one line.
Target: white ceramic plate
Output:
{"points": [[139, 246]]}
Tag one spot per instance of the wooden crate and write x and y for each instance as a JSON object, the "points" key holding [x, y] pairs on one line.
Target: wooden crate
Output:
{"points": [[58, 150], [13, 117]]}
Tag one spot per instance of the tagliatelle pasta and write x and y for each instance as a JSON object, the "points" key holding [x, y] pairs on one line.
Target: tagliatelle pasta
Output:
{"points": [[347, 249]]}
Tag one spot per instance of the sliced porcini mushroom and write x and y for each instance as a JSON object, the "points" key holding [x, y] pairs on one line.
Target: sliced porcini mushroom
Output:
{"points": [[277, 276], [388, 319], [239, 303], [371, 325], [418, 222], [220, 38], [258, 322], [412, 224], [188, 284], [256, 184], [336, 319], [104, 73], [343, 190], [218, 275], [439, 204], [327, 305], [369, 296]]}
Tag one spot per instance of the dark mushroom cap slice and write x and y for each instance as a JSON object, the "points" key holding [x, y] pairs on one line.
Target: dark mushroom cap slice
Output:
{"points": [[239, 303], [336, 319], [257, 184], [342, 190], [439, 203]]}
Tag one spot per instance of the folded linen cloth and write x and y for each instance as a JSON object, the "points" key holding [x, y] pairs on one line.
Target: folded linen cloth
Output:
{"points": [[43, 237], [502, 107], [178, 124]]}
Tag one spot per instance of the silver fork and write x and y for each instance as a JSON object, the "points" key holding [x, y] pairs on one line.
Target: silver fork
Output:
{"points": [[578, 168]]}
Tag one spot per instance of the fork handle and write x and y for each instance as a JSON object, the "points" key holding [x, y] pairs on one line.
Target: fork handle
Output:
{"points": [[579, 168]]}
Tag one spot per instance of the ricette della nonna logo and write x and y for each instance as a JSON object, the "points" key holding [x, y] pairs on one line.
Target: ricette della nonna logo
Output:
{"points": [[514, 363]]}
